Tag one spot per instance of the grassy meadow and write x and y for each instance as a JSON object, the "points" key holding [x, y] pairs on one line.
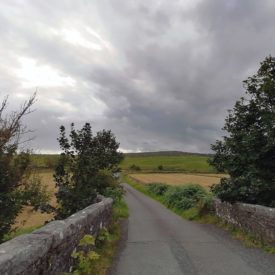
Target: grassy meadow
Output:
{"points": [[192, 163], [44, 161], [171, 161]]}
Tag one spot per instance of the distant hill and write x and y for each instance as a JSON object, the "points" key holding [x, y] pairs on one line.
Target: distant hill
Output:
{"points": [[164, 154]]}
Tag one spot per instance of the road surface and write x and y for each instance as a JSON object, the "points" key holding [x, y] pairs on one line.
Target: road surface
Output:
{"points": [[159, 242]]}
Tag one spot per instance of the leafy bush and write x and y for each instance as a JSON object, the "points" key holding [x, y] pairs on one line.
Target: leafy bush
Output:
{"points": [[185, 203], [157, 188], [103, 236], [104, 179], [184, 196], [107, 185], [160, 167], [135, 167], [85, 258], [172, 195], [247, 152], [115, 193], [194, 191]]}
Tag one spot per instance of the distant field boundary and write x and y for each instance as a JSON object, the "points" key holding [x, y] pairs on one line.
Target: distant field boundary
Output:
{"points": [[165, 154], [194, 172]]}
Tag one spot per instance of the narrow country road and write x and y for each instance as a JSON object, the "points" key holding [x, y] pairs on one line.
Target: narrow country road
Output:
{"points": [[160, 242]]}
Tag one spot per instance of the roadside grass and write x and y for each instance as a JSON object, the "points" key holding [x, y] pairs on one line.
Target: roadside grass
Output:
{"points": [[195, 214], [169, 163], [121, 210], [105, 245], [108, 248]]}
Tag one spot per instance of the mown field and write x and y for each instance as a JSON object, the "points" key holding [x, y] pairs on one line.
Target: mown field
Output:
{"points": [[30, 218], [171, 163], [205, 180]]}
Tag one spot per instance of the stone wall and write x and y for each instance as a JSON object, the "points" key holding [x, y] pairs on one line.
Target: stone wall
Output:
{"points": [[48, 250], [257, 219]]}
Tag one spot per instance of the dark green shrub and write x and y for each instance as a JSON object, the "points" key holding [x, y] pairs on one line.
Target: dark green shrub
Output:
{"points": [[185, 203], [157, 188], [160, 167], [194, 191], [115, 193], [108, 186], [175, 194], [135, 167], [102, 180]]}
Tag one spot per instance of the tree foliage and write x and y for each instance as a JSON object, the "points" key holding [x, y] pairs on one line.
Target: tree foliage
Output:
{"points": [[247, 153], [18, 185], [77, 173]]}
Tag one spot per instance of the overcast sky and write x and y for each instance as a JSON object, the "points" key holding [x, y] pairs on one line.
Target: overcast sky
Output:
{"points": [[160, 74]]}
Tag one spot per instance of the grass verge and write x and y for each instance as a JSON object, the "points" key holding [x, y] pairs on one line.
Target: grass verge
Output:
{"points": [[105, 245], [107, 249], [194, 214]]}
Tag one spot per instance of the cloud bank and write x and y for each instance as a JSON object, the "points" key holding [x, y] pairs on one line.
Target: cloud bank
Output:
{"points": [[161, 75]]}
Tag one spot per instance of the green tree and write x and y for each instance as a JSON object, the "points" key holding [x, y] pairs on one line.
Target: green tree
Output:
{"points": [[18, 185], [247, 152], [77, 173]]}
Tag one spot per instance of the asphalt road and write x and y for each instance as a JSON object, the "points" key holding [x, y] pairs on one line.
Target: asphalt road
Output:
{"points": [[159, 242]]}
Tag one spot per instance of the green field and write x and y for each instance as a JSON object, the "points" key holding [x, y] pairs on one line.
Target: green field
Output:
{"points": [[186, 162], [44, 161], [171, 163]]}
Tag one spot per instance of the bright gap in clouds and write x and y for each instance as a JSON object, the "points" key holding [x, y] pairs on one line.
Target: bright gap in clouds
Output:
{"points": [[34, 75], [76, 38]]}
